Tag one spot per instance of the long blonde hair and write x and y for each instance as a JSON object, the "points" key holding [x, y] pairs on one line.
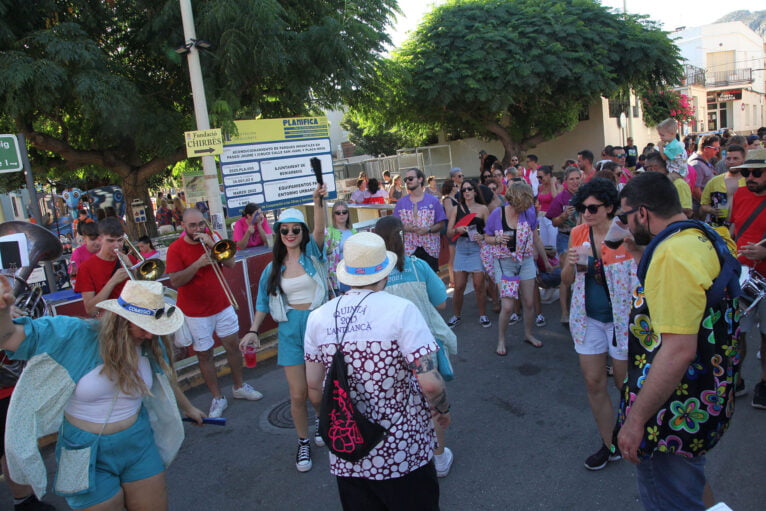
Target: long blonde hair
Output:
{"points": [[118, 351]]}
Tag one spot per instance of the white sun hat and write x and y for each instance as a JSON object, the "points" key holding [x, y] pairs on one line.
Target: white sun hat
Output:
{"points": [[365, 260], [141, 302]]}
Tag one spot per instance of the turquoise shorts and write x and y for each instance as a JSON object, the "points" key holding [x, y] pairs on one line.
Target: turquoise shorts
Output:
{"points": [[290, 334], [124, 457]]}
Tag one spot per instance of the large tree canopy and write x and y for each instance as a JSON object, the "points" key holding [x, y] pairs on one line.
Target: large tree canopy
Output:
{"points": [[519, 71], [97, 85]]}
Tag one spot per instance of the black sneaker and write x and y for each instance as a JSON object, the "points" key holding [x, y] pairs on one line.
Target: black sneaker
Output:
{"points": [[599, 460], [740, 390], [303, 456], [759, 395]]}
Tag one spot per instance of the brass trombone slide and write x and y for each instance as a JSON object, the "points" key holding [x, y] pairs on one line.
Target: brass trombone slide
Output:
{"points": [[222, 251], [145, 269]]}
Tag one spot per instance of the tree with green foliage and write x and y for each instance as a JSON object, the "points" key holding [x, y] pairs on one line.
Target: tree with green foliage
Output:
{"points": [[96, 86], [517, 71]]}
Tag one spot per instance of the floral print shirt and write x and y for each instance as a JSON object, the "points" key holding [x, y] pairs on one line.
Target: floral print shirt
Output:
{"points": [[423, 214]]}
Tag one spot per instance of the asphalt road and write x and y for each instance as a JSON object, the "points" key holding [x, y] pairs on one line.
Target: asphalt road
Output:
{"points": [[521, 431]]}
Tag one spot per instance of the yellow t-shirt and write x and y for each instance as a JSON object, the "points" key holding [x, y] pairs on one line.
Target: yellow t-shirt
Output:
{"points": [[684, 193], [682, 269]]}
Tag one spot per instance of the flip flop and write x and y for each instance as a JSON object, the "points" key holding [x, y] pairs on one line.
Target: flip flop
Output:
{"points": [[504, 353], [536, 344]]}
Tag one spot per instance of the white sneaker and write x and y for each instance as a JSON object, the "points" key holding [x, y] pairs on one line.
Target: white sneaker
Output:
{"points": [[247, 392], [217, 407], [443, 462], [318, 440]]}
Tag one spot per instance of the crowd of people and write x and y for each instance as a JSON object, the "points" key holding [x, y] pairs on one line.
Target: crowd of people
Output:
{"points": [[645, 252]]}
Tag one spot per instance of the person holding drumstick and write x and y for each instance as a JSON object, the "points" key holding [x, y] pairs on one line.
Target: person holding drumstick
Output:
{"points": [[207, 307], [291, 286]]}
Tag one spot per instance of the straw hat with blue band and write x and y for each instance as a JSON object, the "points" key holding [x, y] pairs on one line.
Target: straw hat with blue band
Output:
{"points": [[290, 215], [142, 303], [365, 260]]}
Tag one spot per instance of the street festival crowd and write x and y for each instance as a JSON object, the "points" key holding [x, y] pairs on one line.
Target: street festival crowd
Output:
{"points": [[657, 258]]}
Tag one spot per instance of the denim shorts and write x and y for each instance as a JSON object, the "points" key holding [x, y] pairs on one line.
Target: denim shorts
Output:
{"points": [[290, 334], [669, 482], [562, 243], [123, 457]]}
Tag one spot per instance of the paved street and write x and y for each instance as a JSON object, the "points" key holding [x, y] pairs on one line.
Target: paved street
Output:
{"points": [[521, 431]]}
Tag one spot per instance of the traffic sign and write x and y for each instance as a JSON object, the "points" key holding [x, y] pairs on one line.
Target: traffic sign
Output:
{"points": [[203, 143], [10, 156]]}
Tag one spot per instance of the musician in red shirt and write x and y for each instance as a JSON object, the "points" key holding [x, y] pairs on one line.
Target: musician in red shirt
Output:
{"points": [[204, 302]]}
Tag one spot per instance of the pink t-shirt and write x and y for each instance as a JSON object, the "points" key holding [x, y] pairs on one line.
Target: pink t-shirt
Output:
{"points": [[79, 256], [240, 228]]}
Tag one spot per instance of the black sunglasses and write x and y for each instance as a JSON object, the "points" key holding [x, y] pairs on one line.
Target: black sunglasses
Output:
{"points": [[467, 189], [341, 212], [755, 172], [623, 217], [592, 208], [285, 230], [621, 155], [169, 312], [410, 178]]}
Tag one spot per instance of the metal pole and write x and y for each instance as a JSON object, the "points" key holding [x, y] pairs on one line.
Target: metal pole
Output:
{"points": [[200, 112], [34, 205]]}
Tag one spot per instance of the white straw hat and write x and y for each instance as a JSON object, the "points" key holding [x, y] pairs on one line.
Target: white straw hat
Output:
{"points": [[365, 260], [755, 159], [141, 302]]}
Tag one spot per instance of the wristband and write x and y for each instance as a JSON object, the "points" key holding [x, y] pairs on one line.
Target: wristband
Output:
{"points": [[445, 412], [251, 332]]}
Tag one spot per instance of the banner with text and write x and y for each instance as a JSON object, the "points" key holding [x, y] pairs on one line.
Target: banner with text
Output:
{"points": [[268, 162]]}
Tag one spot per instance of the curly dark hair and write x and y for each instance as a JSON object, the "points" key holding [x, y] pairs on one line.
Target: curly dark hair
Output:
{"points": [[603, 190]]}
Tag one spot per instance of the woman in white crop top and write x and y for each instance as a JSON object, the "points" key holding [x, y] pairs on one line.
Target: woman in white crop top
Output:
{"points": [[290, 287], [107, 379]]}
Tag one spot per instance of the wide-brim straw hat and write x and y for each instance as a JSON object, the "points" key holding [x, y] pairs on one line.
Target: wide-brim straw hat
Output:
{"points": [[141, 302], [755, 159], [291, 215], [365, 260]]}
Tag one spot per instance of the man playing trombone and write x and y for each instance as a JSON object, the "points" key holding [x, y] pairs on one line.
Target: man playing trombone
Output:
{"points": [[102, 276], [208, 306]]}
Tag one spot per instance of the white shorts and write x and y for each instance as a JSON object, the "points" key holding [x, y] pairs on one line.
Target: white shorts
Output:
{"points": [[757, 317], [598, 340], [201, 329]]}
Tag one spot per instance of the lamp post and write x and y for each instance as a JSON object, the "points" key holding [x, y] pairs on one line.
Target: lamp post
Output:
{"points": [[200, 113]]}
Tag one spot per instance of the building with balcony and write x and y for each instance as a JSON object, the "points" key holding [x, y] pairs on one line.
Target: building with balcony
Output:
{"points": [[725, 77]]}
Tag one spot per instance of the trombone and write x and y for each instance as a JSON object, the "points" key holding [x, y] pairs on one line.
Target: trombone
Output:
{"points": [[222, 251], [145, 269]]}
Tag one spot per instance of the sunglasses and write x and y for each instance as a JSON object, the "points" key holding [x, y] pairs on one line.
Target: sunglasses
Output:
{"points": [[167, 313], [295, 230], [592, 208], [623, 217], [467, 189], [622, 155], [712, 147], [755, 172], [342, 212], [410, 178]]}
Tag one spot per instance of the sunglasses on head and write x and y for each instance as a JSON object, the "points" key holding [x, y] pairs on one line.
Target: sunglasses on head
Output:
{"points": [[755, 172], [468, 189], [167, 313], [341, 212], [286, 230], [592, 208]]}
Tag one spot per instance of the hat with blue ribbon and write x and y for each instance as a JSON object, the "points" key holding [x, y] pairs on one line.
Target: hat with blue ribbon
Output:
{"points": [[365, 260], [142, 302]]}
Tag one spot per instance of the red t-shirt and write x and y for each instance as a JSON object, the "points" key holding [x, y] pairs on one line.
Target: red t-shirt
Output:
{"points": [[745, 203], [203, 295], [95, 272]]}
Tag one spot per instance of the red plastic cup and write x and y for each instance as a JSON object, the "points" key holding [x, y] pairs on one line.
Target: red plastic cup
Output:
{"points": [[250, 357]]}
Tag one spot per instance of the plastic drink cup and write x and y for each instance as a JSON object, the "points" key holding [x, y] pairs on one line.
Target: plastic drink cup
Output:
{"points": [[471, 231], [615, 234], [583, 251], [250, 356]]}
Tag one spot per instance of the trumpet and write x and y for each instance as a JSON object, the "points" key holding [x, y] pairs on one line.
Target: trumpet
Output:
{"points": [[222, 251], [145, 269]]}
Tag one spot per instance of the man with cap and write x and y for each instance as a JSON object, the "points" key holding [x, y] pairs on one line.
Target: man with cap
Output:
{"points": [[748, 227], [391, 363], [108, 385], [423, 217], [207, 308]]}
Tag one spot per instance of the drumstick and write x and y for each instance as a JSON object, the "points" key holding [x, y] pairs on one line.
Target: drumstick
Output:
{"points": [[215, 421]]}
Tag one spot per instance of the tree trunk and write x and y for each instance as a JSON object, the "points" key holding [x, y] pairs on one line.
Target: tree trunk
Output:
{"points": [[510, 146], [135, 188]]}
